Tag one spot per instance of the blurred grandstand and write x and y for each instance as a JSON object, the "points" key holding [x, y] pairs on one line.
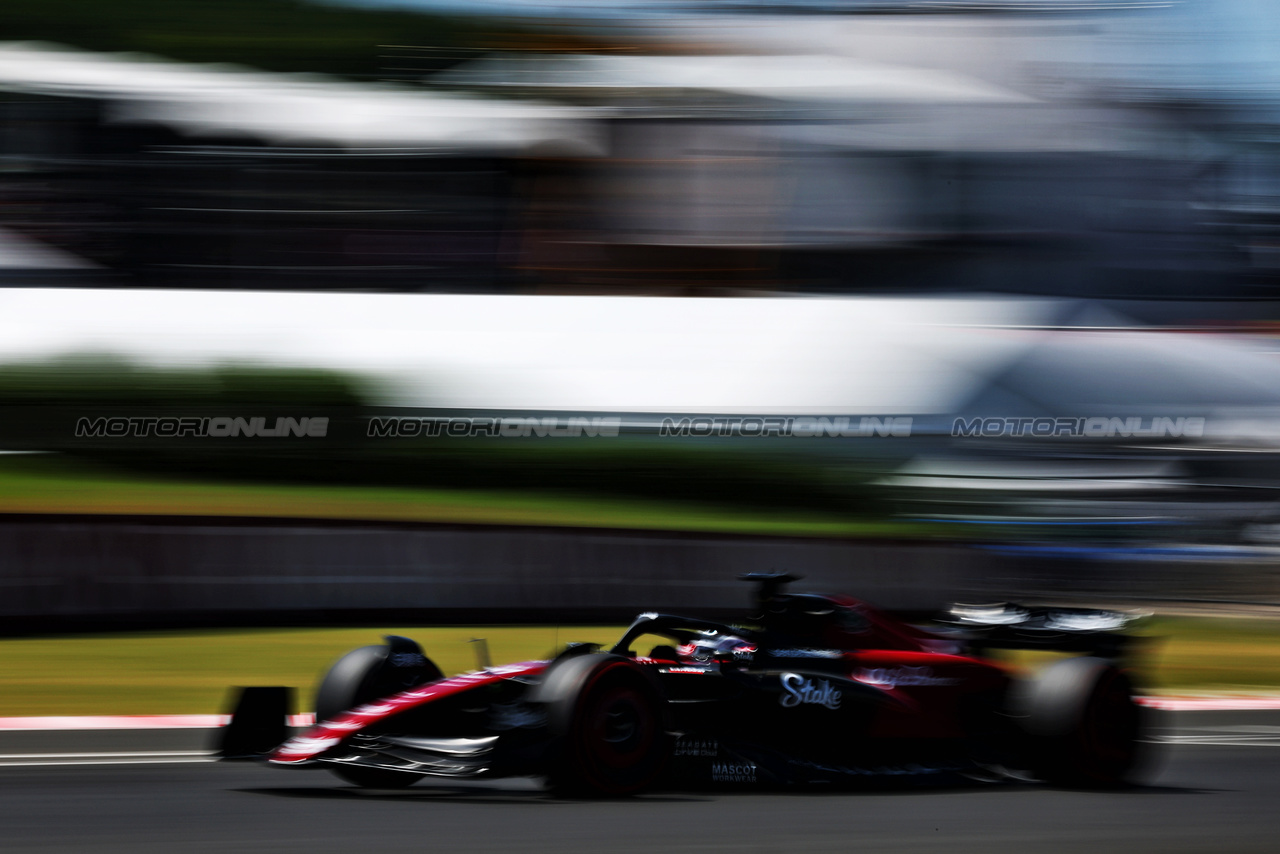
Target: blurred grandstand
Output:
{"points": [[1087, 149]]}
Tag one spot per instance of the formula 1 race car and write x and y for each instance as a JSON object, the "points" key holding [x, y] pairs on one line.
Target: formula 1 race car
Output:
{"points": [[814, 689]]}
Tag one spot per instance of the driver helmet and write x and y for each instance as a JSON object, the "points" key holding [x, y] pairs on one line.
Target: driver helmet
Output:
{"points": [[707, 649]]}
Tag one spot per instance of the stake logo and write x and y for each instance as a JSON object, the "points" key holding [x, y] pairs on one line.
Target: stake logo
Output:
{"points": [[798, 690]]}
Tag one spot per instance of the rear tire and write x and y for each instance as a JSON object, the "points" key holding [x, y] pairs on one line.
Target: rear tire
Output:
{"points": [[360, 676], [608, 728], [1083, 726]]}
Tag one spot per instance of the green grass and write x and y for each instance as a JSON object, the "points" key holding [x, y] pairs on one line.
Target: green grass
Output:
{"points": [[1196, 655], [191, 672], [1213, 654], [49, 489]]}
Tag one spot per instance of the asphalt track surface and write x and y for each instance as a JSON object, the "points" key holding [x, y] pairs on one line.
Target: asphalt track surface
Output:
{"points": [[1218, 790]]}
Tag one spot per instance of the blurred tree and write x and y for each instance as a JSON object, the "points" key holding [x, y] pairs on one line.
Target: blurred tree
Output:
{"points": [[276, 35], [106, 378], [42, 402]]}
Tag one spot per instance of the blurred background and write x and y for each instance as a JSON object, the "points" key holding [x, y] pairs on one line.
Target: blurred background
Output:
{"points": [[1118, 150], [954, 300]]}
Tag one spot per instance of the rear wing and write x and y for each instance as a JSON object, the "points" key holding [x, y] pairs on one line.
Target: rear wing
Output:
{"points": [[1007, 625]]}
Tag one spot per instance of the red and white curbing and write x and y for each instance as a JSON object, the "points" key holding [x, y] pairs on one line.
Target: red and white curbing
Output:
{"points": [[1191, 703], [132, 722], [1207, 703]]}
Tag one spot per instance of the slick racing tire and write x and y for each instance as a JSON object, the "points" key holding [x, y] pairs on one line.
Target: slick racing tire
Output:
{"points": [[1082, 724], [607, 721], [360, 676]]}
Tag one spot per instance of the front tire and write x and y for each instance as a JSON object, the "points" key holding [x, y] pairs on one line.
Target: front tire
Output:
{"points": [[366, 674], [608, 729]]}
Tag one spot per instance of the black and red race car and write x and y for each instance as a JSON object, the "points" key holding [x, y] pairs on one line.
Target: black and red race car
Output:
{"points": [[812, 689]]}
